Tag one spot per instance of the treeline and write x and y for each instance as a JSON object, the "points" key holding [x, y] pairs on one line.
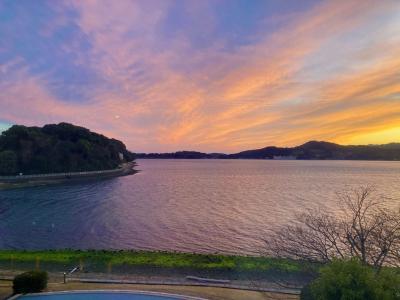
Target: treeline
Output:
{"points": [[58, 148], [309, 150], [181, 155]]}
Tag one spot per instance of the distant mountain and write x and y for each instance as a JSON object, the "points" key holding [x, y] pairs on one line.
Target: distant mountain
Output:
{"points": [[181, 155], [58, 148], [309, 150]]}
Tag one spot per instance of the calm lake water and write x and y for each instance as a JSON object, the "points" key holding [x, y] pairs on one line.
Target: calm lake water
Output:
{"points": [[186, 205]]}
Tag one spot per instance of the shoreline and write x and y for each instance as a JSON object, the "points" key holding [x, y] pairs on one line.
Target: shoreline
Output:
{"points": [[10, 182], [268, 159]]}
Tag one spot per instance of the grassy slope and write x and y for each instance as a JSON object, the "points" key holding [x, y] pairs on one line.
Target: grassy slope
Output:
{"points": [[166, 260]]}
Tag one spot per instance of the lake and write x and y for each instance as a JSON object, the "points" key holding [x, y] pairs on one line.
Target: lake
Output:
{"points": [[226, 206]]}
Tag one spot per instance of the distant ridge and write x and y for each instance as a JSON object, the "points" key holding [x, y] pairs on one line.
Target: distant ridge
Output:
{"points": [[310, 150]]}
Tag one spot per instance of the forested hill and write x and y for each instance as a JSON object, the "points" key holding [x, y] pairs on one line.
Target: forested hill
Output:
{"points": [[310, 150], [58, 148]]}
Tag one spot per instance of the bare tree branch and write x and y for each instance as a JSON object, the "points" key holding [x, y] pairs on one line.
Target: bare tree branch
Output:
{"points": [[365, 228]]}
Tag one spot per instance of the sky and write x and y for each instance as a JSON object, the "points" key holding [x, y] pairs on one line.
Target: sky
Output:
{"points": [[215, 76]]}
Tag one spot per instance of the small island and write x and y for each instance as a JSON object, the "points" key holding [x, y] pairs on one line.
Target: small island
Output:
{"points": [[58, 152]]}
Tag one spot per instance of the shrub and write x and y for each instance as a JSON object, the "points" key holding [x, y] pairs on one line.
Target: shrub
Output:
{"points": [[389, 284], [306, 293], [30, 282], [350, 279]]}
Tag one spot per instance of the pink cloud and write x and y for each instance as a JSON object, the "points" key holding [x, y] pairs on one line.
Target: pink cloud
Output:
{"points": [[257, 95]]}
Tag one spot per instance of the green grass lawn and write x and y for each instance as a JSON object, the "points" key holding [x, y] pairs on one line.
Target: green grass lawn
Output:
{"points": [[143, 259]]}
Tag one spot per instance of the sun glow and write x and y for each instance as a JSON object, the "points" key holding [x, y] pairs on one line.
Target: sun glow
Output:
{"points": [[164, 77], [384, 136]]}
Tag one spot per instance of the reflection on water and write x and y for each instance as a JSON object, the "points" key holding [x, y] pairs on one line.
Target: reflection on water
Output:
{"points": [[185, 205]]}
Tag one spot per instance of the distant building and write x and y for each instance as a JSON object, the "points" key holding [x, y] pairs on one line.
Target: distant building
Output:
{"points": [[283, 157], [121, 156]]}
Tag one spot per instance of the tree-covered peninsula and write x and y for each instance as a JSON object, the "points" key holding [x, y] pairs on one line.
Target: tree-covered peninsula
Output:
{"points": [[58, 148]]}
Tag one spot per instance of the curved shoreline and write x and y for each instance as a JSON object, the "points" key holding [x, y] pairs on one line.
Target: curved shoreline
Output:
{"points": [[7, 182]]}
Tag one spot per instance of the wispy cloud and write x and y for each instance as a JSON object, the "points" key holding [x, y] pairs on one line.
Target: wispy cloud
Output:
{"points": [[328, 72]]}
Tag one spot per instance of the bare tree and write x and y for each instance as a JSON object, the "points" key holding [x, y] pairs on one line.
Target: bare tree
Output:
{"points": [[364, 228]]}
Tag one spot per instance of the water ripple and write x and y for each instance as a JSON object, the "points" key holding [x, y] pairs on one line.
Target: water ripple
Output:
{"points": [[184, 205]]}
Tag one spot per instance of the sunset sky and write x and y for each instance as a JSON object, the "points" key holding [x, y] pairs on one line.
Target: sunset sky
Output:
{"points": [[204, 75]]}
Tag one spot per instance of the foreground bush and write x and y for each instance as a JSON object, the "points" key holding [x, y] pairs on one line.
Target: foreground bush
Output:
{"points": [[342, 280], [30, 282]]}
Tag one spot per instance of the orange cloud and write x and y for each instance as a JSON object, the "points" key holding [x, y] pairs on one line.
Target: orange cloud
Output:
{"points": [[327, 75]]}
